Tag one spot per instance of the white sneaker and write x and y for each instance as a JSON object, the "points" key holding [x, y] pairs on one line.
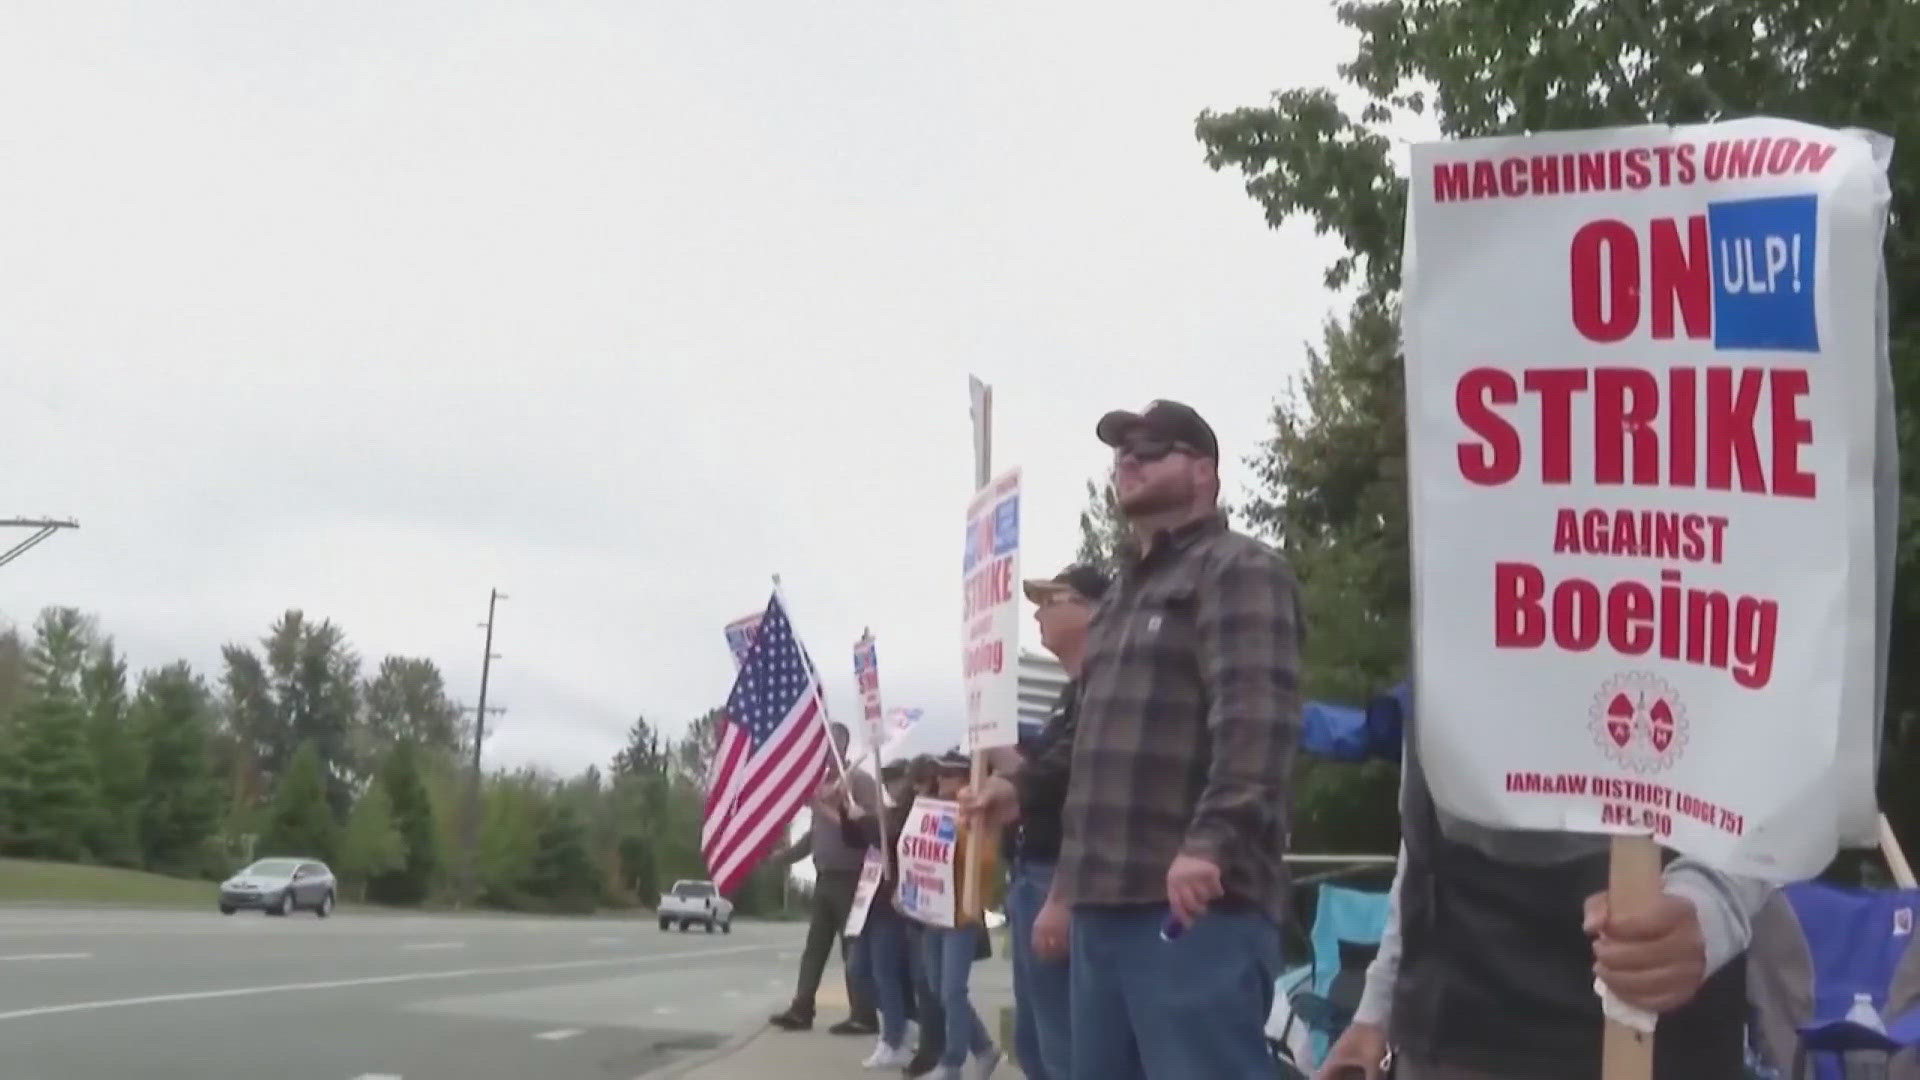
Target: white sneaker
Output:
{"points": [[887, 1057], [984, 1065]]}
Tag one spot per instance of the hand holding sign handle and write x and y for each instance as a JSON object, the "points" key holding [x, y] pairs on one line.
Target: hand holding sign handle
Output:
{"points": [[1633, 884]]}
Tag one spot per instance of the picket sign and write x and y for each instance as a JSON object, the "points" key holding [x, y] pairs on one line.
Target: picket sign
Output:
{"points": [[871, 871], [1646, 403], [990, 626], [926, 890]]}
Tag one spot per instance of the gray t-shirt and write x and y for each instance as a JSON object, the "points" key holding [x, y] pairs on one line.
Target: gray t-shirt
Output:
{"points": [[831, 852]]}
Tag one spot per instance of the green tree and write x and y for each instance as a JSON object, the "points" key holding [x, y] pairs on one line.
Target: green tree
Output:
{"points": [[63, 641], [49, 796], [406, 701], [13, 673], [563, 872], [1103, 531], [300, 821], [303, 687], [118, 755], [411, 812], [1477, 69], [181, 798], [371, 846], [514, 807]]}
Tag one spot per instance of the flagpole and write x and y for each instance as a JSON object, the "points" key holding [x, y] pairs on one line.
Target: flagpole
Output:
{"points": [[820, 691]]}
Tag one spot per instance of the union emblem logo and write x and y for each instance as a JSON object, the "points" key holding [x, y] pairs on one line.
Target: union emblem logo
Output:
{"points": [[1639, 722]]}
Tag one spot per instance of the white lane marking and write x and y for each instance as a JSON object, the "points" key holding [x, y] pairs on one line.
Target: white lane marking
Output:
{"points": [[371, 980], [560, 1033], [428, 946], [50, 956], [379, 1076], [730, 994], [664, 1010]]}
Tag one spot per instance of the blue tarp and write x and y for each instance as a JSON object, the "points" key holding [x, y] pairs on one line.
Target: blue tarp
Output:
{"points": [[1334, 732], [1349, 733]]}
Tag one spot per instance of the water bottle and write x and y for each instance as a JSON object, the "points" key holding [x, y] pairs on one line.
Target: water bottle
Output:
{"points": [[1864, 1014]]}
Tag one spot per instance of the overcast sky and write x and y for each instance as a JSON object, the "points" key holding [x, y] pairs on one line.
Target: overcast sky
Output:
{"points": [[622, 307]]}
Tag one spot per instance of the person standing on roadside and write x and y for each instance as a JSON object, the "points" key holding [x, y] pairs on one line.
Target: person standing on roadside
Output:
{"points": [[1175, 823], [836, 869], [1033, 785], [1493, 941], [883, 940], [951, 952]]}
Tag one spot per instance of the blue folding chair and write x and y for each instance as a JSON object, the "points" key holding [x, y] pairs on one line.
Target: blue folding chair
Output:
{"points": [[1817, 949], [1347, 925]]}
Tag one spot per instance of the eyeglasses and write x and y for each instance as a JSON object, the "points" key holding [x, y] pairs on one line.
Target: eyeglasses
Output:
{"points": [[1148, 449]]}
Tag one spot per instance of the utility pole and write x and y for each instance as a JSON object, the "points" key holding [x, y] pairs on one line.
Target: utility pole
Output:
{"points": [[42, 528], [469, 891]]}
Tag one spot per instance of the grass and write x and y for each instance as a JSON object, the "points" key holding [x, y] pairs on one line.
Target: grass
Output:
{"points": [[25, 881]]}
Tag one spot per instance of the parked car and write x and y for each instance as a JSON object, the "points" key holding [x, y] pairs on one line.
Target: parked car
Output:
{"points": [[280, 887], [696, 903]]}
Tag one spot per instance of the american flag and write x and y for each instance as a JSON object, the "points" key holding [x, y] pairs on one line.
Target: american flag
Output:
{"points": [[771, 755]]}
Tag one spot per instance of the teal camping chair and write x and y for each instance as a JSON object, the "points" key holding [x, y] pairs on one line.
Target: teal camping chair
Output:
{"points": [[1347, 925]]}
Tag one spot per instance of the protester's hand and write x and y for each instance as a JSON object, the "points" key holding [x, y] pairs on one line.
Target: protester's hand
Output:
{"points": [[1192, 884], [995, 802], [1655, 959], [1050, 929], [1362, 1047]]}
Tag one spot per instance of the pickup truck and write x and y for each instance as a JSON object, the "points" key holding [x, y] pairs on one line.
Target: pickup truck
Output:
{"points": [[691, 903]]}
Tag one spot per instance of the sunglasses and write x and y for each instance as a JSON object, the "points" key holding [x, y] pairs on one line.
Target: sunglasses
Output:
{"points": [[1148, 449]]}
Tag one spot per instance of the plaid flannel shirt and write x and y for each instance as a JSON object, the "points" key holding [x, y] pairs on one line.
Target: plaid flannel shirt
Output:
{"points": [[1189, 715]]}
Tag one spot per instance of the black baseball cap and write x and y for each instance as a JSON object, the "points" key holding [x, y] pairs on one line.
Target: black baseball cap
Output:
{"points": [[1169, 420], [1087, 580]]}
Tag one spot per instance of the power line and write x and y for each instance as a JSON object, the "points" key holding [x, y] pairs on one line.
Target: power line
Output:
{"points": [[42, 528]]}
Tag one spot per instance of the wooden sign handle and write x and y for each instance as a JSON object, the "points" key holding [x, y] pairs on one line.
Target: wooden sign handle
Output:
{"points": [[972, 908], [1633, 885]]}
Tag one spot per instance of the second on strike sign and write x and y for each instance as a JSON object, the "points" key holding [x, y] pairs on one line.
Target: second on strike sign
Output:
{"points": [[990, 621], [1641, 377], [927, 846]]}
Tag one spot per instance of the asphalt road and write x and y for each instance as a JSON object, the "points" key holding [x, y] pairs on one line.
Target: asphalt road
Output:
{"points": [[88, 994]]}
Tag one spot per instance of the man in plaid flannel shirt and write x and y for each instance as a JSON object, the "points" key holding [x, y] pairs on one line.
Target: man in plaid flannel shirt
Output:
{"points": [[1176, 813]]}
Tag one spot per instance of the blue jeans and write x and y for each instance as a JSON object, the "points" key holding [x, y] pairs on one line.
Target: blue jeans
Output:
{"points": [[1042, 1025], [949, 966], [883, 949], [1149, 1009]]}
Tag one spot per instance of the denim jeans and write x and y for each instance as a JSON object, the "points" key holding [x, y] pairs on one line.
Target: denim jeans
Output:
{"points": [[950, 966], [926, 999], [883, 945], [1149, 1009], [1042, 1025]]}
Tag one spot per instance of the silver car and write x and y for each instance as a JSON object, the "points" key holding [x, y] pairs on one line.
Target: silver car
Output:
{"points": [[280, 887]]}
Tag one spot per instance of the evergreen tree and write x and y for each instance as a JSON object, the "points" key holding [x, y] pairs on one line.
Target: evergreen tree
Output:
{"points": [[412, 816], [118, 756], [300, 822], [371, 846], [563, 871], [1103, 530], [181, 799], [49, 796]]}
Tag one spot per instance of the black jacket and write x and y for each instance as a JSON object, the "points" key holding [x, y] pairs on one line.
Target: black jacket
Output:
{"points": [[1042, 783], [1497, 976], [864, 832]]}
